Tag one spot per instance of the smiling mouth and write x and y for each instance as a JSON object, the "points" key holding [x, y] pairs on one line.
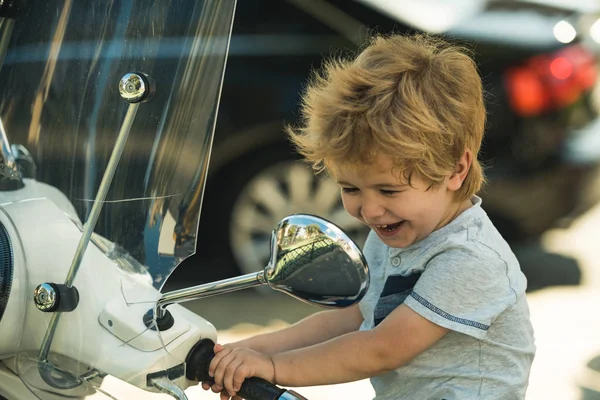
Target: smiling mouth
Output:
{"points": [[388, 229]]}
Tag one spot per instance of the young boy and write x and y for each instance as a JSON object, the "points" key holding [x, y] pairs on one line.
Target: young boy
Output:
{"points": [[445, 317]]}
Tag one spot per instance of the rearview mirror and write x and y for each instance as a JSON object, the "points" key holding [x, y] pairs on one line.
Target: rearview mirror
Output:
{"points": [[312, 260], [315, 261]]}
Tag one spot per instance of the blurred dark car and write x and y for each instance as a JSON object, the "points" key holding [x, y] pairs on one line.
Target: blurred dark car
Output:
{"points": [[538, 63], [542, 144]]}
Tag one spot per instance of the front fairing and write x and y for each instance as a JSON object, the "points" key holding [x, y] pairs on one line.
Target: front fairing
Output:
{"points": [[59, 98]]}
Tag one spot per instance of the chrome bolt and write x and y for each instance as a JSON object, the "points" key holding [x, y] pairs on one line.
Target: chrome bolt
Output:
{"points": [[45, 297], [133, 87]]}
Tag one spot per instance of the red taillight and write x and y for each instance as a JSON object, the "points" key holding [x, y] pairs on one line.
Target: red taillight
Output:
{"points": [[549, 82], [561, 68], [527, 94]]}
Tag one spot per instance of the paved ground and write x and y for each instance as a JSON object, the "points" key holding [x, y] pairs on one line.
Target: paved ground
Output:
{"points": [[566, 319]]}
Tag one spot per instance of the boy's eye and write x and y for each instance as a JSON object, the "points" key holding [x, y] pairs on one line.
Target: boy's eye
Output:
{"points": [[349, 190], [389, 192]]}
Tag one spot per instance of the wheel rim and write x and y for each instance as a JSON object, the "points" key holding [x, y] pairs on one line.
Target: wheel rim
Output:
{"points": [[282, 189]]}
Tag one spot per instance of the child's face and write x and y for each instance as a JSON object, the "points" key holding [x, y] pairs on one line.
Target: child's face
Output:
{"points": [[399, 213]]}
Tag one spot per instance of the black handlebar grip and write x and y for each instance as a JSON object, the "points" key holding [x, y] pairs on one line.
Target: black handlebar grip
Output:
{"points": [[259, 389], [198, 361]]}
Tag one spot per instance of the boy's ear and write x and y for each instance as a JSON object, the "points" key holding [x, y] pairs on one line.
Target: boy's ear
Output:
{"points": [[463, 166]]}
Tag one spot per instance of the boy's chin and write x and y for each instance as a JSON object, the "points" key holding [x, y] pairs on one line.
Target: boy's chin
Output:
{"points": [[396, 242]]}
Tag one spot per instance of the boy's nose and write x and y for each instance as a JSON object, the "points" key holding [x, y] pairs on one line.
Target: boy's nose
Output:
{"points": [[371, 210]]}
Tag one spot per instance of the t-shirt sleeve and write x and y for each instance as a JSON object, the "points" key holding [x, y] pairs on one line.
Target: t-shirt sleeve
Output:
{"points": [[463, 289]]}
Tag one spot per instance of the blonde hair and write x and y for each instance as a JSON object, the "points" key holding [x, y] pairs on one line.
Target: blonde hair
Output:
{"points": [[415, 98]]}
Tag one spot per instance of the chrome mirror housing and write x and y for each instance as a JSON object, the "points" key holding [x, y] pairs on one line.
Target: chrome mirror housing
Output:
{"points": [[312, 260]]}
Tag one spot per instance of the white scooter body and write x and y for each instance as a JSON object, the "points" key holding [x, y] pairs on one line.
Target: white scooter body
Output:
{"points": [[112, 302]]}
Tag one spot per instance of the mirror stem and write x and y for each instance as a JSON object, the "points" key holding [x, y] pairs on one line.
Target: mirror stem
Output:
{"points": [[209, 289]]}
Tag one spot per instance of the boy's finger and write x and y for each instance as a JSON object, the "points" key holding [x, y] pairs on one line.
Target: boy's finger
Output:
{"points": [[221, 369], [225, 396], [218, 348], [239, 376], [229, 374], [205, 385], [214, 364]]}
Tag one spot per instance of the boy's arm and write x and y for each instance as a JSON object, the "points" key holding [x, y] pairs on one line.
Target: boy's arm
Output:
{"points": [[315, 328], [400, 337], [463, 289]]}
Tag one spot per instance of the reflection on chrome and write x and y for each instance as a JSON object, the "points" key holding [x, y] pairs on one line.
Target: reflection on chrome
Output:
{"points": [[315, 261], [9, 168], [134, 88], [312, 260]]}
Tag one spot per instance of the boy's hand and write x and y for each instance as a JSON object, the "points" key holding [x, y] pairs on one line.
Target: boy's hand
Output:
{"points": [[231, 366], [217, 388]]}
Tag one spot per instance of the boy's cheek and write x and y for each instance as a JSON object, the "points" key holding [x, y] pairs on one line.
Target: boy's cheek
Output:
{"points": [[348, 207]]}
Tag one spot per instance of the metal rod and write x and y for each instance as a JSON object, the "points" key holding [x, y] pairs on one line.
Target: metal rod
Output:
{"points": [[90, 224], [11, 168], [48, 336], [107, 178], [164, 385], [210, 289]]}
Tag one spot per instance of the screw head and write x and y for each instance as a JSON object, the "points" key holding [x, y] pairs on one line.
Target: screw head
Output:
{"points": [[45, 297], [133, 87]]}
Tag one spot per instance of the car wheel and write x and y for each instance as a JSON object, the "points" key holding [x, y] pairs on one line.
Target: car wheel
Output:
{"points": [[284, 188], [260, 190]]}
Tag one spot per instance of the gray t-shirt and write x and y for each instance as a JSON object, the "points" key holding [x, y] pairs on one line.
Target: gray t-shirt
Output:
{"points": [[463, 277]]}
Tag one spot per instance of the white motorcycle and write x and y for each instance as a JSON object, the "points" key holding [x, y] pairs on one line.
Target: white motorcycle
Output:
{"points": [[113, 105]]}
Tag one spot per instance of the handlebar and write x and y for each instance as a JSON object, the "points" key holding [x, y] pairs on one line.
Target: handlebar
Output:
{"points": [[198, 361]]}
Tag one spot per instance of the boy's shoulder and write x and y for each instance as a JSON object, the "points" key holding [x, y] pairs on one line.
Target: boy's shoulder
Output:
{"points": [[479, 237], [472, 232], [475, 244]]}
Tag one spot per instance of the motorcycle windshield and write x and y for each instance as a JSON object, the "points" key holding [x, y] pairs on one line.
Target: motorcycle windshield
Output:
{"points": [[59, 98], [63, 101]]}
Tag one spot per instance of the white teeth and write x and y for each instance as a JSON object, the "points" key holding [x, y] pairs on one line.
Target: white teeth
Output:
{"points": [[386, 225]]}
